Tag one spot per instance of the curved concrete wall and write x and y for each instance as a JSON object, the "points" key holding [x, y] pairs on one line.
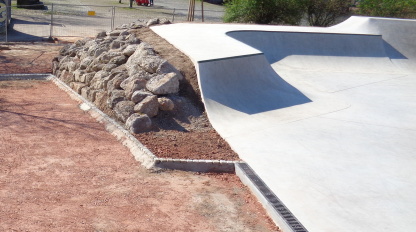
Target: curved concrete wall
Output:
{"points": [[398, 36], [320, 51]]}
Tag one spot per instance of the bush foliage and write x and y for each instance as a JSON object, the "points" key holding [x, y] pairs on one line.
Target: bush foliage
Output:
{"points": [[264, 11], [318, 12], [323, 13], [387, 8]]}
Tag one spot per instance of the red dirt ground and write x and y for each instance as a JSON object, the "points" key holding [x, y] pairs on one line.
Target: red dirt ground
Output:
{"points": [[61, 171], [27, 57]]}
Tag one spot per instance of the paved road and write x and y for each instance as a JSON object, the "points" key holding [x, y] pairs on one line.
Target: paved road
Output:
{"points": [[325, 116]]}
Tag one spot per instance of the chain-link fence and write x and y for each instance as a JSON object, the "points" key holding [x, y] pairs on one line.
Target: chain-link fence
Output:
{"points": [[60, 20]]}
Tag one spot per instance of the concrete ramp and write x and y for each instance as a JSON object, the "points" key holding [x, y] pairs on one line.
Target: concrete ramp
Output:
{"points": [[325, 116], [398, 36]]}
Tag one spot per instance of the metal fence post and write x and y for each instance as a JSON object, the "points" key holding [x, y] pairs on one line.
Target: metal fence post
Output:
{"points": [[113, 16], [202, 10], [51, 32], [7, 20], [173, 16]]}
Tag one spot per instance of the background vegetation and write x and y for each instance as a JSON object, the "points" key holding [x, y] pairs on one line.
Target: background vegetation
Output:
{"points": [[388, 8], [264, 11], [314, 12]]}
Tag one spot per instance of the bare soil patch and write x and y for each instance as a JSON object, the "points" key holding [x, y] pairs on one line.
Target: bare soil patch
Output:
{"points": [[60, 170]]}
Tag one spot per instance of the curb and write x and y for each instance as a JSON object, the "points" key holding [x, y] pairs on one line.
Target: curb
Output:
{"points": [[197, 165], [140, 152]]}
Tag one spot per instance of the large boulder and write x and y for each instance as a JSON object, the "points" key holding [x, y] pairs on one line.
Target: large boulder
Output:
{"points": [[85, 92], [99, 80], [105, 57], [138, 123], [165, 104], [124, 109], [85, 62], [144, 58], [66, 77], [116, 44], [97, 49], [163, 84], [101, 35], [77, 86], [118, 60], [116, 81], [78, 75], [114, 33], [152, 22], [100, 97], [109, 67], [132, 84], [166, 67], [139, 95], [130, 49], [149, 106], [115, 97], [87, 77]]}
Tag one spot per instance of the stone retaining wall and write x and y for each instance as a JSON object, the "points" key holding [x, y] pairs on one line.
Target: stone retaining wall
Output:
{"points": [[121, 74]]}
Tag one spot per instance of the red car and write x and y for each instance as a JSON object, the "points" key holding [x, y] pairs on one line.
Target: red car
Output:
{"points": [[143, 2]]}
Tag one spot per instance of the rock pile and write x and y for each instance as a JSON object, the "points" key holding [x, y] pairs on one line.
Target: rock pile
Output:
{"points": [[118, 72]]}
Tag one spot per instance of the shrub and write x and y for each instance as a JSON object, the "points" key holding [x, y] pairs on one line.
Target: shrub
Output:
{"points": [[325, 12], [387, 8], [264, 11]]}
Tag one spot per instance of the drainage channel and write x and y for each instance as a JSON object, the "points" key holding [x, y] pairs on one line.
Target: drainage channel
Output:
{"points": [[280, 214]]}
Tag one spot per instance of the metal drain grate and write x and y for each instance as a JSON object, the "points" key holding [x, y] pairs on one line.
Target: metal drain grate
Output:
{"points": [[274, 201]]}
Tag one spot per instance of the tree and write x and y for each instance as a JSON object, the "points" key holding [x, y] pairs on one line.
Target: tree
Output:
{"points": [[387, 8], [324, 13], [264, 11], [317, 12]]}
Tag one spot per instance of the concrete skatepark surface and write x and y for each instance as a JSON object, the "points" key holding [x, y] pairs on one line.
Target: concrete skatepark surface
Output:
{"points": [[325, 116]]}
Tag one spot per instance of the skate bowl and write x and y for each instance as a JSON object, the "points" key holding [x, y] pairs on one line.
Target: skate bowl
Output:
{"points": [[326, 117]]}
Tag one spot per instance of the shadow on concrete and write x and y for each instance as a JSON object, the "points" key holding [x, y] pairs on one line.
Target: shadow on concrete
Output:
{"points": [[26, 22], [14, 35], [247, 84], [279, 45]]}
